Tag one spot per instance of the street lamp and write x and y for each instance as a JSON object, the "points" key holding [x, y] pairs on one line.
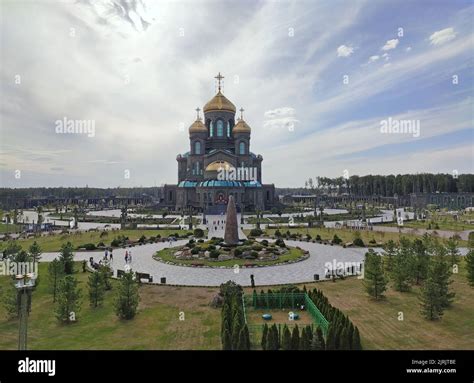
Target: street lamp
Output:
{"points": [[24, 285]]}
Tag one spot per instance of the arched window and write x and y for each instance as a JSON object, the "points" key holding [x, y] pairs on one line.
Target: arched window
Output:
{"points": [[211, 129], [228, 128], [220, 128], [242, 147], [197, 147]]}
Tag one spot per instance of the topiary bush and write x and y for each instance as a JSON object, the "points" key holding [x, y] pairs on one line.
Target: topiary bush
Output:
{"points": [[256, 232], [214, 254]]}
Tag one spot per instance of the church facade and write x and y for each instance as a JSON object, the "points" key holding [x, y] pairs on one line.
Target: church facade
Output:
{"points": [[219, 164]]}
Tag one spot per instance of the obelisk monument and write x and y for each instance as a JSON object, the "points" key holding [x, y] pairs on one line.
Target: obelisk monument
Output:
{"points": [[231, 233]]}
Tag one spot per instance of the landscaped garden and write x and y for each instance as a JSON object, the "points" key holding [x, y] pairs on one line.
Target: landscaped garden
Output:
{"points": [[215, 253], [96, 240]]}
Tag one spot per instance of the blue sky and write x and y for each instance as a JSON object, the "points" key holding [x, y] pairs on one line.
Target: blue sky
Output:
{"points": [[139, 69]]}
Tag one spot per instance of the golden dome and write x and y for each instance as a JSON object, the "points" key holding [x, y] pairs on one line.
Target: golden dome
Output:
{"points": [[197, 127], [218, 165], [219, 102], [241, 127]]}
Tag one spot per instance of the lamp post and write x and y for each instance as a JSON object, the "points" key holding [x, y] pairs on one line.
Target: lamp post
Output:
{"points": [[24, 284]]}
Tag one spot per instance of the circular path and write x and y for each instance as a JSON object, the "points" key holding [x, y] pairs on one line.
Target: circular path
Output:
{"points": [[303, 271]]}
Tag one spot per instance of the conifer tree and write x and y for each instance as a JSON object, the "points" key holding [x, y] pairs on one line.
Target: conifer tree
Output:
{"points": [[264, 337], [390, 251], [126, 302], [55, 274], [316, 343], [331, 338], [402, 269], [96, 289], [421, 261], [470, 267], [356, 340], [68, 300], [286, 338], [295, 338], [66, 257], [226, 340], [344, 339], [35, 251], [374, 278], [320, 335], [453, 251]]}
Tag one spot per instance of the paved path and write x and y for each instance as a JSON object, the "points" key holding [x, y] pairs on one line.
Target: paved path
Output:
{"points": [[303, 271]]}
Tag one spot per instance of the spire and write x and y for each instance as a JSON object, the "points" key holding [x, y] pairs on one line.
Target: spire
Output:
{"points": [[242, 113], [219, 78], [198, 118]]}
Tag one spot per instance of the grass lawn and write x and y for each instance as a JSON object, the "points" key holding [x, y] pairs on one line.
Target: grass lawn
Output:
{"points": [[378, 320], [54, 242], [9, 228], [347, 235], [442, 224], [254, 316], [167, 255], [157, 325]]}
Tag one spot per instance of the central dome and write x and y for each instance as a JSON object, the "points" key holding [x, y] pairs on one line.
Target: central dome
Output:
{"points": [[219, 102]]}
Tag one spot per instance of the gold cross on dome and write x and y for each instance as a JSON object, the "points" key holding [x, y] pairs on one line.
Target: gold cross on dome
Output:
{"points": [[242, 113], [219, 78], [197, 110]]}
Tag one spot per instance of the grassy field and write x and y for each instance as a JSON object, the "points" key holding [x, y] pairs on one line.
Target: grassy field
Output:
{"points": [[9, 228], [348, 235], [378, 320], [254, 316], [54, 242], [157, 325], [440, 224], [167, 255]]}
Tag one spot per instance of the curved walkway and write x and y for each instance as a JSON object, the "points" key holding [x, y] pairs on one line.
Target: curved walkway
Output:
{"points": [[298, 272]]}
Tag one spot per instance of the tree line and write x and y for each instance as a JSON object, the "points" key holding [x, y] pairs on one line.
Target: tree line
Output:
{"points": [[390, 185], [425, 262]]}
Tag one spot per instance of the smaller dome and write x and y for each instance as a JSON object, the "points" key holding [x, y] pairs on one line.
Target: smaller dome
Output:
{"points": [[241, 127], [197, 127]]}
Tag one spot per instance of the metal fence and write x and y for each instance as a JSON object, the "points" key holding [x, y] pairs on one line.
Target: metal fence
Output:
{"points": [[276, 301]]}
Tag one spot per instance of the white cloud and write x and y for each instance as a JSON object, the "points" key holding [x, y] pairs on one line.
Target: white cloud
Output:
{"points": [[280, 112], [386, 56], [373, 58], [280, 118], [390, 44], [344, 51], [408, 49], [442, 36]]}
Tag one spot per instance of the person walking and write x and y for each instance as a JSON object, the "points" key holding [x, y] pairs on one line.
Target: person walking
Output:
{"points": [[130, 256], [126, 257]]}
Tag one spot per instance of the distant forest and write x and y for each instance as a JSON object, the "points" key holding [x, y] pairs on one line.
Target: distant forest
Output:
{"points": [[387, 186]]}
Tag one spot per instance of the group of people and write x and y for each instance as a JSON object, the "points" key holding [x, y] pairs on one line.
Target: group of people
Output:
{"points": [[218, 224]]}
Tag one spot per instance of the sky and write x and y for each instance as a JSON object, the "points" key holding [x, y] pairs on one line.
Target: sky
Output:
{"points": [[317, 79]]}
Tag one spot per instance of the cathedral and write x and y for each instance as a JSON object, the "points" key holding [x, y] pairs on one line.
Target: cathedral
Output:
{"points": [[219, 164]]}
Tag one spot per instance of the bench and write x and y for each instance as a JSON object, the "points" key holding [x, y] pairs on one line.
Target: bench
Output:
{"points": [[146, 276]]}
